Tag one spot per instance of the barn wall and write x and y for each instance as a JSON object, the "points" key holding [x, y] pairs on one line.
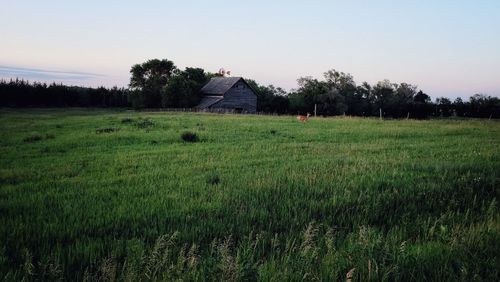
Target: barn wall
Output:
{"points": [[239, 96]]}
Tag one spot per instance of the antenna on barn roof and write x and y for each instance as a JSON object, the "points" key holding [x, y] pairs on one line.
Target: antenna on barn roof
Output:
{"points": [[222, 72]]}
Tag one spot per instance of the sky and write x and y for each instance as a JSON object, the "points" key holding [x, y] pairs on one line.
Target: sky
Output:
{"points": [[446, 48]]}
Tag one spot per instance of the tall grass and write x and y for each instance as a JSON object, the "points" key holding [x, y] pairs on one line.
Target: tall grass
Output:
{"points": [[260, 198]]}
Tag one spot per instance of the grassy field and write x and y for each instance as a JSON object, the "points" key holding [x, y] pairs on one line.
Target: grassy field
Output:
{"points": [[118, 195]]}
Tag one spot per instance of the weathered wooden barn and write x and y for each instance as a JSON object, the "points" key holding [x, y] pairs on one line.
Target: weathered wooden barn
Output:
{"points": [[228, 94]]}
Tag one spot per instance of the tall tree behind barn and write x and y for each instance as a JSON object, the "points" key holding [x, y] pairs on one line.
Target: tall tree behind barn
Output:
{"points": [[228, 94]]}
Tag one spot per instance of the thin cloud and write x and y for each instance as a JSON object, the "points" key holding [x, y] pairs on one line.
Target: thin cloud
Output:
{"points": [[44, 74]]}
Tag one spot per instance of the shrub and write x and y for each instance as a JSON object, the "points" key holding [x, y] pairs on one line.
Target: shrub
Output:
{"points": [[106, 130], [127, 120], [49, 136], [213, 179], [145, 123], [33, 138], [189, 137], [200, 126]]}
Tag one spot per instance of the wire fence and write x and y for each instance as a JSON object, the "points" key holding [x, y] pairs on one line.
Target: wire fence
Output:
{"points": [[216, 111]]}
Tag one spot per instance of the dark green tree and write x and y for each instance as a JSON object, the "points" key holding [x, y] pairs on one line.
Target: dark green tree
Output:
{"points": [[270, 99], [363, 95], [308, 94], [342, 93], [383, 97], [149, 79], [484, 106], [403, 99], [331, 102], [183, 90], [444, 107], [459, 107], [422, 106]]}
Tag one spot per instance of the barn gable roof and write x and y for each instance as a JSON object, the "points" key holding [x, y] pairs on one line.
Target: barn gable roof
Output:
{"points": [[219, 85]]}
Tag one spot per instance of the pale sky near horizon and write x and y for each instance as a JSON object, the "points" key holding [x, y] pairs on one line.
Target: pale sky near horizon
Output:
{"points": [[447, 48]]}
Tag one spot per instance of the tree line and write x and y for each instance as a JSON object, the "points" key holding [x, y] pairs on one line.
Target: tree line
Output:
{"points": [[22, 93], [160, 84], [338, 94]]}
